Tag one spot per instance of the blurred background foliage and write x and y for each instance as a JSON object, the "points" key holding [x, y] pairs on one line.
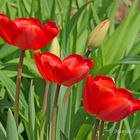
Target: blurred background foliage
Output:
{"points": [[119, 57]]}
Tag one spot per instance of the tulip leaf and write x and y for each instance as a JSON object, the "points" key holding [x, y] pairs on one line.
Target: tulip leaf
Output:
{"points": [[61, 115], [7, 50], [11, 127], [5, 103], [29, 67], [130, 60], [128, 30], [135, 49], [126, 123], [77, 121], [62, 136], [26, 5], [11, 88], [86, 128], [31, 108], [3, 134], [45, 9], [75, 18], [119, 130], [79, 90]]}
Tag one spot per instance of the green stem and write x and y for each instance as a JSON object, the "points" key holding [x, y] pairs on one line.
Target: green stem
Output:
{"points": [[45, 97], [66, 96], [43, 117], [54, 113], [86, 55], [94, 130], [101, 130], [19, 75], [42, 127]]}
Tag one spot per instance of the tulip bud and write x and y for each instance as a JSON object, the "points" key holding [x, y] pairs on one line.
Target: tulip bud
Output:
{"points": [[97, 36], [55, 47]]}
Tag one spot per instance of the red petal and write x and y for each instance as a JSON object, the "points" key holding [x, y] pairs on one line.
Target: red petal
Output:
{"points": [[88, 97], [122, 92], [7, 29], [37, 58], [136, 105], [74, 76], [49, 72], [30, 35], [103, 88], [115, 109], [104, 81], [27, 21], [75, 60], [60, 72], [101, 98], [50, 58], [50, 30], [99, 90], [50, 63], [78, 69]]}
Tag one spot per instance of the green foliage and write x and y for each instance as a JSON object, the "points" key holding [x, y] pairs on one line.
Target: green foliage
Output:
{"points": [[11, 127], [119, 57]]}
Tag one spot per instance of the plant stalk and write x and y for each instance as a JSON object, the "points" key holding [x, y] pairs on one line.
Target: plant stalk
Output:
{"points": [[101, 130], [67, 94], [19, 75], [94, 130], [45, 97], [86, 55], [54, 113]]}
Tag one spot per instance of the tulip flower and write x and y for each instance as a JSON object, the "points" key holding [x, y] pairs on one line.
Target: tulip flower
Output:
{"points": [[97, 36], [27, 33], [66, 72], [108, 103]]}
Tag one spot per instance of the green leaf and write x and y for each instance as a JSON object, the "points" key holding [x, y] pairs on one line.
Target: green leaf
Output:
{"points": [[11, 127], [124, 37], [126, 123], [130, 60], [62, 136], [7, 50], [29, 67], [11, 88], [31, 109], [77, 122], [3, 134]]}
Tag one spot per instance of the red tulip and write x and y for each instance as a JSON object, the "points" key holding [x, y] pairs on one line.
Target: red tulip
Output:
{"points": [[103, 99], [27, 33], [66, 72]]}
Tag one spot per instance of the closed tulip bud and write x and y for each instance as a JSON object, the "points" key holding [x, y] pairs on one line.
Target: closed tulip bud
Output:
{"points": [[97, 36], [55, 47]]}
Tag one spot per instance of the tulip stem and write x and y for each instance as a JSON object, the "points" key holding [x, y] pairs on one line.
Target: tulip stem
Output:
{"points": [[101, 127], [54, 113], [94, 130], [45, 97], [19, 75], [67, 94], [86, 55]]}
